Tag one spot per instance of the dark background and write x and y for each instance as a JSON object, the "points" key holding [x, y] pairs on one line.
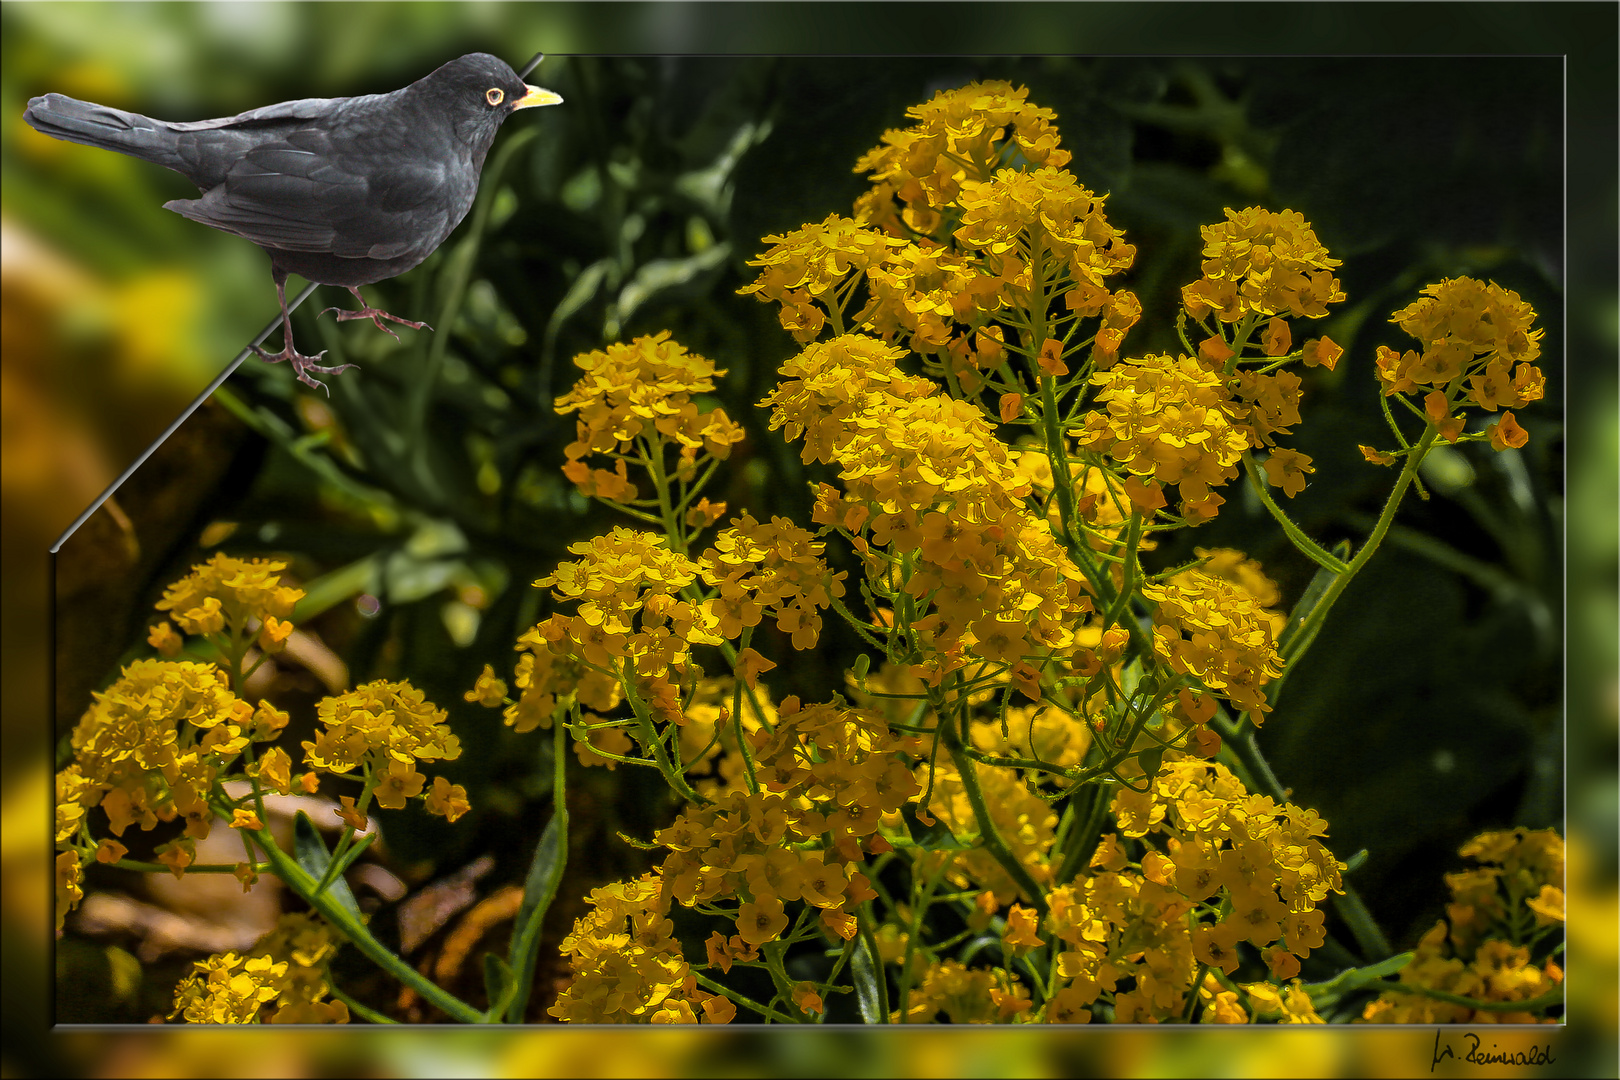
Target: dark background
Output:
{"points": [[1428, 710]]}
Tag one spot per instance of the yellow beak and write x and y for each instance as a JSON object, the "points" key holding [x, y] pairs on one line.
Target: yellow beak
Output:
{"points": [[536, 96]]}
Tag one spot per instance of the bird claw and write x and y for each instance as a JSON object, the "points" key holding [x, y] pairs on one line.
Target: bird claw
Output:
{"points": [[302, 365], [377, 316]]}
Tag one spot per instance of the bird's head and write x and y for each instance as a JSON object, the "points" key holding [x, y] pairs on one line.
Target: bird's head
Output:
{"points": [[477, 92]]}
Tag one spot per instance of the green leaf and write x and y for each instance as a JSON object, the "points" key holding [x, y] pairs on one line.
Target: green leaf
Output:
{"points": [[1150, 760], [499, 984], [331, 589], [313, 858], [865, 970], [545, 874]]}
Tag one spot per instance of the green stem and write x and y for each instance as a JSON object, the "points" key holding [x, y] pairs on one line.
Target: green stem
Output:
{"points": [[1552, 997], [1301, 641], [364, 1012], [301, 883], [740, 999], [1307, 547], [988, 833]]}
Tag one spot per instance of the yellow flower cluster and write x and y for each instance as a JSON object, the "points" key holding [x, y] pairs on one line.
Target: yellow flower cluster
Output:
{"points": [[227, 595], [288, 967], [1119, 934], [830, 387], [1041, 213], [828, 775], [627, 964], [1284, 1004], [809, 264], [1259, 262], [965, 995], [385, 728], [641, 391], [152, 744], [1266, 857], [630, 620], [228, 989], [924, 473], [775, 568], [1220, 634], [1477, 346], [1166, 420], [1483, 949], [1233, 566], [1132, 936], [962, 228], [961, 134]]}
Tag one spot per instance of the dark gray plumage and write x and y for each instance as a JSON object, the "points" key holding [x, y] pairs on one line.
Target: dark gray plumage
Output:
{"points": [[343, 191]]}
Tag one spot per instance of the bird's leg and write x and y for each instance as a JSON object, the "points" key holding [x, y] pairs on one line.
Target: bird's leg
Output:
{"points": [[376, 315], [302, 365]]}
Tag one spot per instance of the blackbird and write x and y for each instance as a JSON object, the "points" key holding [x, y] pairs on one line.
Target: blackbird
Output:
{"points": [[342, 191]]}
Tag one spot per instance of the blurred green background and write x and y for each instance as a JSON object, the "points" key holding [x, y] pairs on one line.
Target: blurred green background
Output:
{"points": [[424, 494]]}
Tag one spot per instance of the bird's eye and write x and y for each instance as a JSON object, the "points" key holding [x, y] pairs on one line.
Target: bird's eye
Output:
{"points": [[494, 95]]}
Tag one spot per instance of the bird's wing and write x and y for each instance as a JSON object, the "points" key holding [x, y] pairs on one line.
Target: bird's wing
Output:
{"points": [[302, 109], [300, 193]]}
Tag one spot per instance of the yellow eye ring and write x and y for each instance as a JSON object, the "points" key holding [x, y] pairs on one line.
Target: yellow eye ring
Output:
{"points": [[494, 95]]}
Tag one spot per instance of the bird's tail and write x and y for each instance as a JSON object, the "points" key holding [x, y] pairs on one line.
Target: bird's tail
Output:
{"points": [[67, 118]]}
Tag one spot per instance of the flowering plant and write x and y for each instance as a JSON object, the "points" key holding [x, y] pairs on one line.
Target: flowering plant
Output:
{"points": [[1036, 796]]}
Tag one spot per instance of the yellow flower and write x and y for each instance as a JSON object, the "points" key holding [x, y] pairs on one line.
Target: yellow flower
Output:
{"points": [[1322, 352], [243, 818], [351, 815], [488, 691], [273, 634], [807, 998], [275, 770], [177, 855], [382, 722], [1167, 419], [69, 884], [961, 133], [228, 989], [1506, 433], [776, 568], [760, 922], [1286, 469], [1022, 924], [165, 640], [447, 800], [719, 1010], [1263, 263], [1217, 632], [399, 783], [641, 390], [227, 592]]}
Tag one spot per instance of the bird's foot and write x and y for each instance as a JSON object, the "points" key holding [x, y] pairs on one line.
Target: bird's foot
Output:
{"points": [[302, 365], [377, 316]]}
